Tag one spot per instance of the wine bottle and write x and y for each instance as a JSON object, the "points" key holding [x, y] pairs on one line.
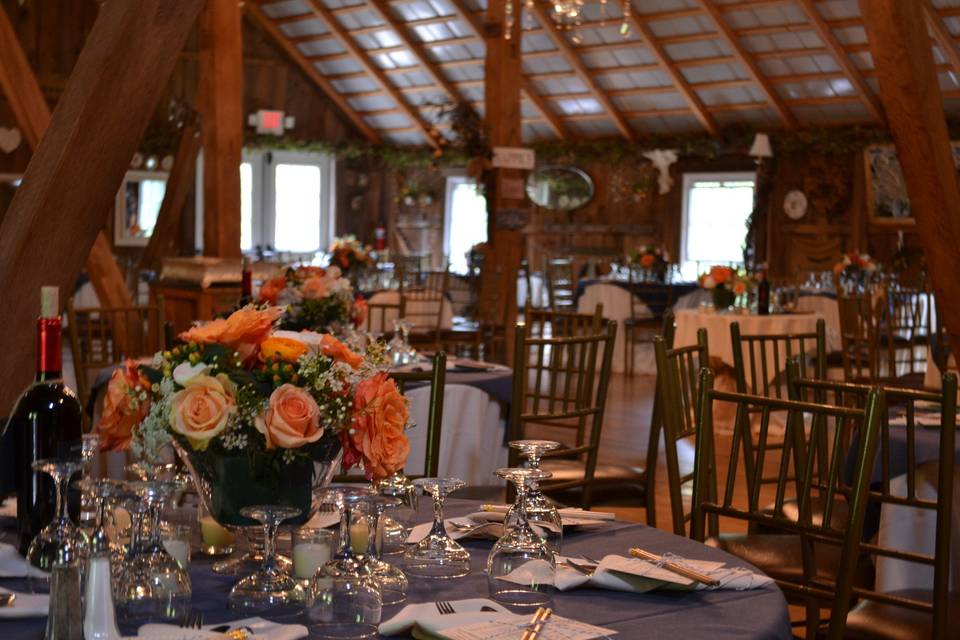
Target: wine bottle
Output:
{"points": [[763, 295], [246, 284], [47, 422]]}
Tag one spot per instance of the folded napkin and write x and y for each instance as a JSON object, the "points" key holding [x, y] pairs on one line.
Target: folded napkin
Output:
{"points": [[12, 564], [25, 605], [427, 613], [570, 517], [618, 573], [258, 628], [323, 519], [458, 528]]}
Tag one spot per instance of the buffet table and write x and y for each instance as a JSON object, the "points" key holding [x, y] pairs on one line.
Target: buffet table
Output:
{"points": [[759, 614]]}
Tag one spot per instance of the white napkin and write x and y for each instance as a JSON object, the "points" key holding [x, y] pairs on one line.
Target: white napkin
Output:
{"points": [[468, 528], [259, 628], [26, 605], [618, 573], [570, 517], [505, 627], [323, 519], [427, 615], [12, 565], [8, 508]]}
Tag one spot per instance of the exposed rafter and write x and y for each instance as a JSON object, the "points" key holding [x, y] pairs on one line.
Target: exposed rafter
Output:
{"points": [[568, 52], [676, 76], [528, 89], [363, 59], [748, 63], [840, 55], [942, 35], [297, 56]]}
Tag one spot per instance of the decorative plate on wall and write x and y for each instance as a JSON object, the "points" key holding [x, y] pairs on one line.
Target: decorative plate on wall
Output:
{"points": [[795, 204]]}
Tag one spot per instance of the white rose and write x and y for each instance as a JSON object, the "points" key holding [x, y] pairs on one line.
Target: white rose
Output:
{"points": [[185, 372]]}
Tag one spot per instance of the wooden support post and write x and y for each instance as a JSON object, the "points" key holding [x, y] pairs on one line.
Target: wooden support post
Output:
{"points": [[166, 232], [23, 93], [76, 170], [506, 204], [913, 103], [220, 101]]}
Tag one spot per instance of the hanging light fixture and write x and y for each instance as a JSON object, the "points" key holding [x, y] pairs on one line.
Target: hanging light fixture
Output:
{"points": [[567, 15]]}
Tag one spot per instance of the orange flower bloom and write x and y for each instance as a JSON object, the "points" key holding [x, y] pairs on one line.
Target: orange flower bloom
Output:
{"points": [[378, 427], [647, 260], [243, 331], [200, 411], [333, 348], [292, 420], [286, 349], [270, 290], [122, 407], [360, 310], [721, 274], [306, 272], [314, 288]]}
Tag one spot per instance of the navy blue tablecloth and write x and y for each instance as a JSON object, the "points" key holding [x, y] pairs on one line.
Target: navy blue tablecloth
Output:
{"points": [[656, 295], [759, 614]]}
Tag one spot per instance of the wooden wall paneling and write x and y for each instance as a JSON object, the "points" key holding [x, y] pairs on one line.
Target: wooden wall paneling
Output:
{"points": [[221, 108], [900, 44], [80, 163]]}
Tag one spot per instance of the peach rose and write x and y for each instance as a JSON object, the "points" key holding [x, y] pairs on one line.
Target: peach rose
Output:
{"points": [[377, 434], [200, 411], [333, 348], [306, 272], [270, 290], [314, 288], [360, 311], [292, 420], [280, 348], [242, 331], [125, 405]]}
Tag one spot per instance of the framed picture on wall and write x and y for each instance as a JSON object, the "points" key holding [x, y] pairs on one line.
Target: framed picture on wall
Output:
{"points": [[887, 201]]}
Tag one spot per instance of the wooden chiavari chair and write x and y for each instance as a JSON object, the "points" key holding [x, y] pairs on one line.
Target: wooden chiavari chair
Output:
{"points": [[380, 315], [642, 327], [542, 323], [561, 284]]}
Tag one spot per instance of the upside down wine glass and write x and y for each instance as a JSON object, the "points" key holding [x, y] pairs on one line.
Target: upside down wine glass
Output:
{"points": [[437, 556], [393, 584], [540, 511], [521, 567], [271, 587]]}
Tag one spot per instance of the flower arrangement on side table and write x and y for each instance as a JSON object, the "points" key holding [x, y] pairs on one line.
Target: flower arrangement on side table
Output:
{"points": [[261, 415], [652, 259], [350, 255], [315, 298], [726, 284], [856, 271]]}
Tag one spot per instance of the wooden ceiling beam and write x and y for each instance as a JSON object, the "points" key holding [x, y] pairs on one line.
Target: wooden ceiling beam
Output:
{"points": [[676, 75], [261, 20], [363, 58], [945, 41], [569, 53], [743, 57], [840, 55]]}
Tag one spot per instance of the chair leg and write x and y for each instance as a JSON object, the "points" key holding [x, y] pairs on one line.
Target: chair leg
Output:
{"points": [[628, 351]]}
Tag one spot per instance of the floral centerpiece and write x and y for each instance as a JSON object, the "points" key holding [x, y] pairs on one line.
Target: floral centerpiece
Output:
{"points": [[725, 284], [856, 271], [260, 415], [653, 259], [315, 298], [350, 255]]}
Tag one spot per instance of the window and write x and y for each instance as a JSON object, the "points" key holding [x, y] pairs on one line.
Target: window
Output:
{"points": [[716, 207], [286, 201], [464, 221]]}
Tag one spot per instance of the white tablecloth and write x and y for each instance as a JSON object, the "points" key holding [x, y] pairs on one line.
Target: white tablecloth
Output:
{"points": [[471, 439], [417, 308], [828, 308], [718, 329], [616, 306]]}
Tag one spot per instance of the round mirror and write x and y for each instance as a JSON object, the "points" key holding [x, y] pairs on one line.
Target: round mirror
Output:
{"points": [[559, 188]]}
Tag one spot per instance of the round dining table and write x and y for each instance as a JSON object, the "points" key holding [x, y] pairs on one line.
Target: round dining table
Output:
{"points": [[759, 614]]}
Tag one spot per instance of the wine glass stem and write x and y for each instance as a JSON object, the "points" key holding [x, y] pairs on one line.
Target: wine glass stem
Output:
{"points": [[373, 543], [62, 482], [345, 549], [269, 544], [438, 528]]}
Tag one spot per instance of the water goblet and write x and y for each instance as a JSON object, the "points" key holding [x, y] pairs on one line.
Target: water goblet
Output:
{"points": [[396, 526], [393, 584], [540, 511], [345, 601], [521, 568], [437, 556], [61, 542], [270, 587]]}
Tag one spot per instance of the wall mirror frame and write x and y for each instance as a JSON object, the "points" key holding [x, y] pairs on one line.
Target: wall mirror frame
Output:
{"points": [[137, 205], [560, 188]]}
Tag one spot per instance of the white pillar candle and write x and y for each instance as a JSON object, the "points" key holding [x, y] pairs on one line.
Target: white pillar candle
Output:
{"points": [[359, 535], [308, 557]]}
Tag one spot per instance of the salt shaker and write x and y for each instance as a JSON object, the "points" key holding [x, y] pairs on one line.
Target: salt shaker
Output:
{"points": [[100, 620]]}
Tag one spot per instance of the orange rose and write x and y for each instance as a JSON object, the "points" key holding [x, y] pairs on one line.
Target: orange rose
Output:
{"points": [[647, 260], [721, 274], [200, 411], [333, 348], [124, 407], [279, 348], [360, 310], [380, 417], [303, 273], [314, 288], [242, 331], [270, 290], [292, 420]]}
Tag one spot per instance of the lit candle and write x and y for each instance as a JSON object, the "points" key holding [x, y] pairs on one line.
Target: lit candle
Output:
{"points": [[213, 535], [308, 557], [359, 535]]}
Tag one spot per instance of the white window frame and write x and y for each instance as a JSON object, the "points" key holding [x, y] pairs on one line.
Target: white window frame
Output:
{"points": [[712, 176], [263, 163]]}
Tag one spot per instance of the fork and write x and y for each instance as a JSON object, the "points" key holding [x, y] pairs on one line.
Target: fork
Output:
{"points": [[444, 607], [194, 621]]}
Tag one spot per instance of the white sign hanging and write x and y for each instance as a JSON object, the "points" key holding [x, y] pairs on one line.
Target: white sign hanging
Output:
{"points": [[514, 158]]}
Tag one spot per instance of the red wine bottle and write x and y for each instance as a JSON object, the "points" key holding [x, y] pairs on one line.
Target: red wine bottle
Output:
{"points": [[763, 295], [246, 284], [48, 423]]}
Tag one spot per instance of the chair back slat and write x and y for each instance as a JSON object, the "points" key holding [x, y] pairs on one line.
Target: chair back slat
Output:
{"points": [[381, 315], [561, 284]]}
